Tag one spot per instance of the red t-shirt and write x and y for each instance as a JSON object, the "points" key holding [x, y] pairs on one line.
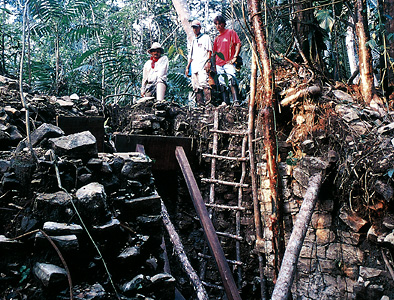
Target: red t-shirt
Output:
{"points": [[225, 43]]}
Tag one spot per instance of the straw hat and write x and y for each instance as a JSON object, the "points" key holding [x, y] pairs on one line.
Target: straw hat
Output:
{"points": [[196, 23], [155, 46]]}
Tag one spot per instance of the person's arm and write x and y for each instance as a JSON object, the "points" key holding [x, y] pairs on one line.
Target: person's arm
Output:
{"points": [[236, 53], [187, 67], [208, 64]]}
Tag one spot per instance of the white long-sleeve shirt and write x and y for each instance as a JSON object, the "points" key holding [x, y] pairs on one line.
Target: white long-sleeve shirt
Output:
{"points": [[155, 75]]}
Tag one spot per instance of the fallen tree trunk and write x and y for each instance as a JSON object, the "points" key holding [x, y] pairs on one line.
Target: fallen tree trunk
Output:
{"points": [[178, 247], [206, 223], [289, 262], [313, 90]]}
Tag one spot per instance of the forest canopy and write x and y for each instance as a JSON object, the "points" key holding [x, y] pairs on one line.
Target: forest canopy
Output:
{"points": [[99, 47]]}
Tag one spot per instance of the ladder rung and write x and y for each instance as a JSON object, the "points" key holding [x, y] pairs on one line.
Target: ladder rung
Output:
{"points": [[236, 184], [229, 235], [211, 285], [234, 262], [225, 206], [229, 132], [226, 157]]}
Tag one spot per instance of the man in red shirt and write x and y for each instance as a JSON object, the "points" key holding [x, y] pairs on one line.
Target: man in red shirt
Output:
{"points": [[229, 44]]}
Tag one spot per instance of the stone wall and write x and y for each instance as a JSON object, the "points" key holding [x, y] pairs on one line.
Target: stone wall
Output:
{"points": [[335, 261]]}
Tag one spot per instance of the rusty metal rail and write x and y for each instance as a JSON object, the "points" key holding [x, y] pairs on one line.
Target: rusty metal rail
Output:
{"points": [[213, 241]]}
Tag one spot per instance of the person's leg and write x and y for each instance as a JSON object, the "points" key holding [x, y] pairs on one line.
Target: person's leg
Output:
{"points": [[230, 70], [204, 86], [160, 91], [220, 70], [207, 95], [196, 90]]}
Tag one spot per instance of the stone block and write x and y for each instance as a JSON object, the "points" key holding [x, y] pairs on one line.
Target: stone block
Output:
{"points": [[324, 236], [346, 284], [291, 207], [384, 190], [351, 219], [301, 176], [45, 131], [298, 189], [389, 239], [50, 275], [66, 243], [55, 206], [325, 205], [321, 220], [350, 271], [321, 251], [377, 234], [7, 244], [388, 221], [368, 273], [150, 205], [136, 166], [56, 228], [310, 236], [306, 265], [346, 253], [327, 266], [77, 145], [351, 238], [91, 202], [307, 251]]}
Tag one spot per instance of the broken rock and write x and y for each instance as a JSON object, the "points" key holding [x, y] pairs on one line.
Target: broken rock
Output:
{"points": [[77, 145], [50, 275], [351, 219], [45, 131], [91, 201]]}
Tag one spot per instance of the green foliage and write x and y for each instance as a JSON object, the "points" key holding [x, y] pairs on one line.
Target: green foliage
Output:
{"points": [[325, 19], [291, 160], [102, 46], [24, 272]]}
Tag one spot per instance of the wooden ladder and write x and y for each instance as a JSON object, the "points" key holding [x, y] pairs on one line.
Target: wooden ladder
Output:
{"points": [[213, 206]]}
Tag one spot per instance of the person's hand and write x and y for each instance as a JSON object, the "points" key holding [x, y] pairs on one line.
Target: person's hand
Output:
{"points": [[233, 60], [187, 72]]}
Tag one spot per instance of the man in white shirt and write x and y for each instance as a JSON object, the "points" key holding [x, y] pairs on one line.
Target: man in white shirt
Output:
{"points": [[199, 62], [154, 77]]}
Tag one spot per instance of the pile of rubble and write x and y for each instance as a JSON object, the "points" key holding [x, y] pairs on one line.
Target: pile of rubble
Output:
{"points": [[111, 207], [74, 221]]}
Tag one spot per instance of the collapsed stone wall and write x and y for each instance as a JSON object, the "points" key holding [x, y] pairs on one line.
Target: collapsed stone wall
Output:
{"points": [[71, 217]]}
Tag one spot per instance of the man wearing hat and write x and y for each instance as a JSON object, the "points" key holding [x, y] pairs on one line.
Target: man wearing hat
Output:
{"points": [[198, 60], [154, 77], [229, 44]]}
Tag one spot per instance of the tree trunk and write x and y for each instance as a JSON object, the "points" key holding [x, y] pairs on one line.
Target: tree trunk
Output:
{"points": [[182, 9], [388, 74], [2, 62], [57, 59], [389, 10], [364, 52], [351, 48], [288, 268], [266, 104], [180, 252]]}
